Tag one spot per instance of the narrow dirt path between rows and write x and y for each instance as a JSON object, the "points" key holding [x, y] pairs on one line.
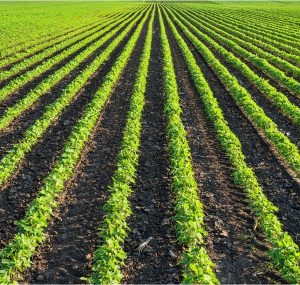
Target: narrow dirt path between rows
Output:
{"points": [[237, 249], [152, 201], [72, 235], [288, 73], [28, 86], [283, 89], [282, 189]]}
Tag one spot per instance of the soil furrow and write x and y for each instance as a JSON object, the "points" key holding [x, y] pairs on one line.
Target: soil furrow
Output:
{"points": [[72, 235], [18, 193], [279, 186], [268, 48], [237, 249], [25, 120], [152, 201]]}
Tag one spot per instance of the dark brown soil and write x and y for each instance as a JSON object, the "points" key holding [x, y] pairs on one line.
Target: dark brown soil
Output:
{"points": [[293, 98], [291, 130], [266, 50], [24, 89], [17, 194], [278, 185], [152, 199], [72, 235], [237, 249]]}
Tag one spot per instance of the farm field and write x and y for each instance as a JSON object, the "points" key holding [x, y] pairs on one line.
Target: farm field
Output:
{"points": [[150, 142]]}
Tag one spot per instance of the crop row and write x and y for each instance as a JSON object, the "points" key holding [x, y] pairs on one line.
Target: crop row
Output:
{"points": [[109, 256], [17, 153], [284, 252], [19, 60], [22, 46], [17, 254], [269, 20], [272, 19], [189, 217], [269, 24], [14, 54], [276, 97], [283, 145], [124, 29], [49, 82]]}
